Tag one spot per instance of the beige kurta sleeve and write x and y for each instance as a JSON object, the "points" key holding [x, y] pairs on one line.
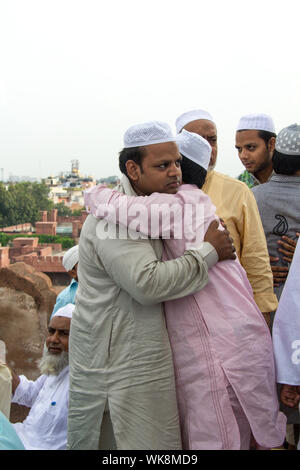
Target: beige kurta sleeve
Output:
{"points": [[135, 268], [236, 205], [254, 254]]}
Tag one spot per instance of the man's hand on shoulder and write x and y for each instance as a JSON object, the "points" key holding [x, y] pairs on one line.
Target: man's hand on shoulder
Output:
{"points": [[221, 241]]}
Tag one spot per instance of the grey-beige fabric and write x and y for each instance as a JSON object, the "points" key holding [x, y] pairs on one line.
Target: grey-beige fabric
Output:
{"points": [[120, 356]]}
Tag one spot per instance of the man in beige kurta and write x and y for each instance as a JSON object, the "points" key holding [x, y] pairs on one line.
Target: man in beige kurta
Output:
{"points": [[236, 205], [121, 369]]}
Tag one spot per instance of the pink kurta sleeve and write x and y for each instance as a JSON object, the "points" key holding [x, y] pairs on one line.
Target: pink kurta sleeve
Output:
{"points": [[160, 215]]}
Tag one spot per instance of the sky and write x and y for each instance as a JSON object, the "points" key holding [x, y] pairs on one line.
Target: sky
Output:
{"points": [[75, 74]]}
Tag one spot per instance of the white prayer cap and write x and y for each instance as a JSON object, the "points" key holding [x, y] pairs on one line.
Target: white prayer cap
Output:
{"points": [[190, 116], [259, 122], [194, 147], [288, 140], [71, 258], [148, 133], [66, 311]]}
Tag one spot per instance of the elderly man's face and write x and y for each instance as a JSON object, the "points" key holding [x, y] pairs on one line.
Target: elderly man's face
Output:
{"points": [[207, 129], [58, 338], [160, 170]]}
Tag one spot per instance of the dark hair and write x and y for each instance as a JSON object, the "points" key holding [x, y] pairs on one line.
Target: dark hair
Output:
{"points": [[133, 153], [266, 136], [285, 164], [192, 173]]}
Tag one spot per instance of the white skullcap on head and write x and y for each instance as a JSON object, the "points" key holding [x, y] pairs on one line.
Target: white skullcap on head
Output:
{"points": [[194, 147], [191, 116], [259, 122], [65, 311], [148, 133], [71, 258], [288, 140]]}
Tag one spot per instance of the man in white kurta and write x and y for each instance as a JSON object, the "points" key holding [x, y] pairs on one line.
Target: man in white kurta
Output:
{"points": [[45, 427], [286, 335]]}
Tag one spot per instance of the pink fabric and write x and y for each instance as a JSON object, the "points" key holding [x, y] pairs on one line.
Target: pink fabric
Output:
{"points": [[218, 338], [241, 419]]}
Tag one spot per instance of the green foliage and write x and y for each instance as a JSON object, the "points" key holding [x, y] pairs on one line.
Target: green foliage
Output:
{"points": [[62, 209], [21, 203], [4, 239], [77, 212], [66, 242]]}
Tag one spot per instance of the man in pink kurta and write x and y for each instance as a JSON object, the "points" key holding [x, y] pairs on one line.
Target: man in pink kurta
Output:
{"points": [[222, 348]]}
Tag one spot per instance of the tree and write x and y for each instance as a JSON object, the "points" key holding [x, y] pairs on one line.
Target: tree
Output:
{"points": [[21, 203], [77, 212], [62, 209]]}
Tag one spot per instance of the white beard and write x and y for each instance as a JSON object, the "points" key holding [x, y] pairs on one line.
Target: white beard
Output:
{"points": [[53, 364]]}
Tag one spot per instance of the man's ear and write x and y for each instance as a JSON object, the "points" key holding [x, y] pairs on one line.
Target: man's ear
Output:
{"points": [[271, 144], [133, 170]]}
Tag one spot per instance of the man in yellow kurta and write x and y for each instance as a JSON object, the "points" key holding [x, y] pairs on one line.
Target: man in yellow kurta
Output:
{"points": [[236, 205]]}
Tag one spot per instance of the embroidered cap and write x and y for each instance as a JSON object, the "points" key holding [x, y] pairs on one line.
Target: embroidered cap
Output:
{"points": [[148, 133], [71, 258], [259, 122], [66, 311], [191, 116], [288, 140], [194, 147]]}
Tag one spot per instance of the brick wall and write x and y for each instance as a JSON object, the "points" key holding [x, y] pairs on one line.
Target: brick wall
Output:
{"points": [[19, 251], [52, 216], [72, 218], [24, 241], [17, 228], [36, 255], [45, 263], [4, 256], [45, 251], [54, 246], [45, 228]]}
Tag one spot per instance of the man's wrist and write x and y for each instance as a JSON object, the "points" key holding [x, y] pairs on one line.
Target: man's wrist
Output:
{"points": [[208, 253]]}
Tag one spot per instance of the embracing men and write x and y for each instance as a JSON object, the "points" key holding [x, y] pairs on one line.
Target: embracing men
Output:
{"points": [[121, 364]]}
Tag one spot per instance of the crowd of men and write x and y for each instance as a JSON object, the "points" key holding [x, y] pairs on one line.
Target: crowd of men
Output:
{"points": [[176, 342]]}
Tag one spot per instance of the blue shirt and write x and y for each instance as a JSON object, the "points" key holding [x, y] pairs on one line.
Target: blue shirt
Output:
{"points": [[9, 439], [66, 296]]}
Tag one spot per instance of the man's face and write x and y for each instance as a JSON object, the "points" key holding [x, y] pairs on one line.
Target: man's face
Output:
{"points": [[160, 170], [207, 129], [73, 272], [252, 150], [58, 338]]}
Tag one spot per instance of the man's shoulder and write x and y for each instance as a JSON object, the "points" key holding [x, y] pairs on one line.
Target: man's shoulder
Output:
{"points": [[90, 220], [226, 179], [89, 228], [261, 189], [68, 290]]}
